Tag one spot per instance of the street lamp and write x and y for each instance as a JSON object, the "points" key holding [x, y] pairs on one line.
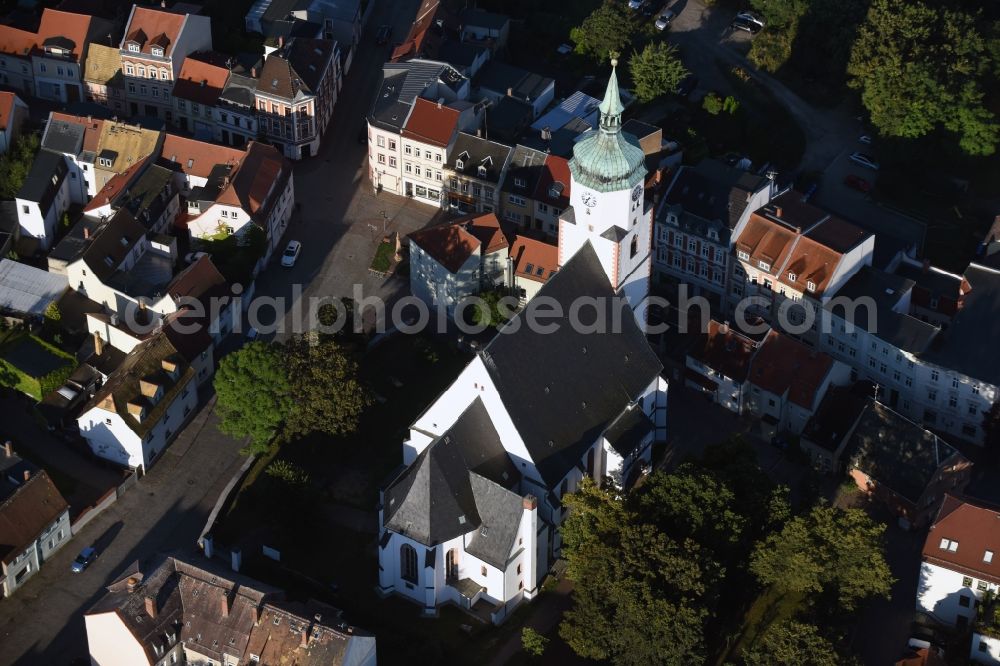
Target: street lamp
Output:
{"points": [[385, 221]]}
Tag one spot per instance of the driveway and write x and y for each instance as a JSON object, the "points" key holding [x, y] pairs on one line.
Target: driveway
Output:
{"points": [[166, 511]]}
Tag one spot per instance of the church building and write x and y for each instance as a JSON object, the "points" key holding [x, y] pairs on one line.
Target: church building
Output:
{"points": [[473, 518]]}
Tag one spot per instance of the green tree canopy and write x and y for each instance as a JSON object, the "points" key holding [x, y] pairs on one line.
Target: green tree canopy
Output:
{"points": [[16, 163], [324, 389], [920, 66], [533, 642], [608, 29], [828, 549], [656, 71], [793, 644], [254, 394]]}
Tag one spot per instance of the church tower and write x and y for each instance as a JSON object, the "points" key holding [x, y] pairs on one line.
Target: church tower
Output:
{"points": [[607, 207]]}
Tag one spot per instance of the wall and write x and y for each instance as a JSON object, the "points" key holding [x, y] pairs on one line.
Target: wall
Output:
{"points": [[384, 159], [985, 649], [436, 285], [940, 590], [110, 641]]}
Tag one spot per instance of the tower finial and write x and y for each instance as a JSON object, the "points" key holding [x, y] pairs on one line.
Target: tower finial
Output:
{"points": [[612, 107]]}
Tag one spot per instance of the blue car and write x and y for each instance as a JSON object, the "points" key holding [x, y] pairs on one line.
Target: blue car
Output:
{"points": [[83, 560]]}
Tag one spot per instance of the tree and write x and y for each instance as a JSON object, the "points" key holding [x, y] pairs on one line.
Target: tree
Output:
{"points": [[826, 550], [636, 589], [254, 394], [923, 66], [52, 313], [656, 71], [324, 389], [607, 30], [533, 642], [792, 644], [489, 311], [712, 103], [16, 163]]}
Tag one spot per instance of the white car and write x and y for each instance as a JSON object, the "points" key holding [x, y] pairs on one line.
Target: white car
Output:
{"points": [[750, 16], [864, 160], [634, 4], [663, 21], [291, 254]]}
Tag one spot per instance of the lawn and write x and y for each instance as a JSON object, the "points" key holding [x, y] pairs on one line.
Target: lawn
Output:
{"points": [[384, 254], [31, 365]]}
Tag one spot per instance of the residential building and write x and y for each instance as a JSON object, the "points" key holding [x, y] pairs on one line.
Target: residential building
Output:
{"points": [[236, 114], [791, 259], [532, 263], [16, 47], [147, 190], [103, 80], [258, 190], [153, 49], [142, 406], [787, 383], [334, 20], [58, 59], [552, 195], [13, 113], [483, 28], [985, 648], [517, 203], [120, 146], [454, 260], [607, 207], [196, 93], [704, 209], [467, 58], [474, 173], [43, 199], [906, 467], [193, 161], [960, 564], [402, 83], [426, 139], [76, 138], [473, 518], [181, 611], [34, 519], [936, 295], [296, 93], [558, 129], [719, 364], [827, 432], [426, 33], [943, 379], [498, 80], [26, 292]]}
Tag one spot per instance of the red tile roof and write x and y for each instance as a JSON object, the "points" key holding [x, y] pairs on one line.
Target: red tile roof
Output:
{"points": [[196, 158], [766, 241], [16, 42], [6, 108], [422, 39], [534, 259], [487, 229], [431, 123], [34, 505], [448, 244], [555, 171], [784, 364], [976, 529], [725, 350], [202, 78], [149, 26], [74, 27], [264, 170]]}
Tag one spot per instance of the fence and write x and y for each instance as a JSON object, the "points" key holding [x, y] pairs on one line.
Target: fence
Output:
{"points": [[106, 500]]}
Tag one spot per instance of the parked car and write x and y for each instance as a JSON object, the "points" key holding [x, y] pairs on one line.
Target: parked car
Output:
{"points": [[634, 4], [864, 160], [857, 183], [192, 257], [687, 85], [84, 559], [745, 25], [291, 254], [665, 18], [383, 34], [564, 49], [750, 16]]}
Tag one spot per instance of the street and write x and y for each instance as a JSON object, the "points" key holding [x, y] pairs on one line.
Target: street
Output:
{"points": [[166, 511]]}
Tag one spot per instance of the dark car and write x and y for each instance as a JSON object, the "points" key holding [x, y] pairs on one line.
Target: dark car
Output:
{"points": [[746, 25], [84, 559], [687, 85]]}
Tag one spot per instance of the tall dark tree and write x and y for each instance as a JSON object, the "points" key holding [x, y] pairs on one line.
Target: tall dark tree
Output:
{"points": [[607, 30], [323, 386]]}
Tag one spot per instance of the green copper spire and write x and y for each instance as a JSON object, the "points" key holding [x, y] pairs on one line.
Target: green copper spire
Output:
{"points": [[612, 107]]}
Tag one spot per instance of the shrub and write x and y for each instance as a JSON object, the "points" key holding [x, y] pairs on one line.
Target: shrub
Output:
{"points": [[712, 103]]}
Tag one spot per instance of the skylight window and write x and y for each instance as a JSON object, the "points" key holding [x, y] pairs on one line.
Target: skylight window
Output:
{"points": [[949, 545]]}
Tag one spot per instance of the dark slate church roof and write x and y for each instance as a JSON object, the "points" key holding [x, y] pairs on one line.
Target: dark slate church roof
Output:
{"points": [[563, 389], [459, 484]]}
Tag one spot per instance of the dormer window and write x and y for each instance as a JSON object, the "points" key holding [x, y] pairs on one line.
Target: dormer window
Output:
{"points": [[810, 285], [791, 277], [743, 255], [713, 234], [133, 47], [764, 266], [157, 51], [482, 171], [520, 182], [460, 164]]}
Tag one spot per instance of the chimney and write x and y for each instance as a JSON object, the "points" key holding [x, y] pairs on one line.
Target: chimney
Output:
{"points": [[98, 344], [90, 119], [151, 607], [439, 105], [479, 133], [163, 4], [281, 41], [27, 474], [529, 502], [304, 641], [131, 583], [224, 606], [510, 92], [778, 211], [86, 233], [724, 328], [253, 72], [8, 448]]}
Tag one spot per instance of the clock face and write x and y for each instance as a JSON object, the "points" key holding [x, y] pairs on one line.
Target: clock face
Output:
{"points": [[589, 199], [637, 192]]}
